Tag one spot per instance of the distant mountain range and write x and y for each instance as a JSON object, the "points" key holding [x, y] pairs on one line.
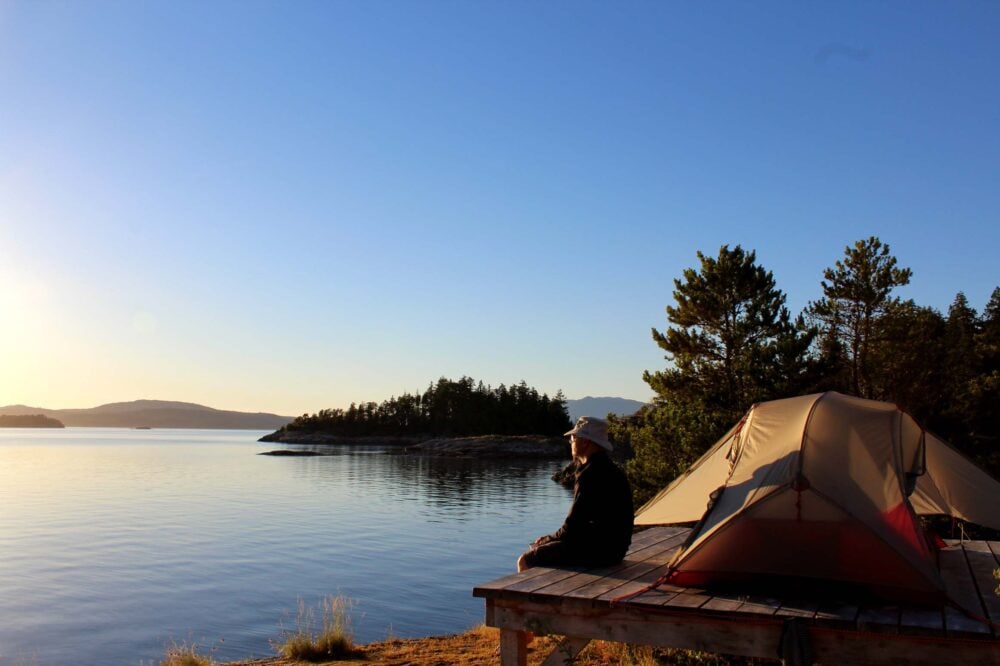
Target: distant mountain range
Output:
{"points": [[170, 414], [601, 407], [155, 414]]}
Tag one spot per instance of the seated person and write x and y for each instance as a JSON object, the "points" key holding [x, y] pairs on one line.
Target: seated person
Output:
{"points": [[598, 529]]}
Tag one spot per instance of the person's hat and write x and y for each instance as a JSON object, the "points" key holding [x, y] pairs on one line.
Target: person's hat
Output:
{"points": [[596, 430]]}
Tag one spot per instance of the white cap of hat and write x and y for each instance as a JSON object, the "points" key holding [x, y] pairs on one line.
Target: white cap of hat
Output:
{"points": [[593, 429]]}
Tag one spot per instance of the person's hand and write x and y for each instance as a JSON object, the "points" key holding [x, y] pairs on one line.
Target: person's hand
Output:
{"points": [[541, 541]]}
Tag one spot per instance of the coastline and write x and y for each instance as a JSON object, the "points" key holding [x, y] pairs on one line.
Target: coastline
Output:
{"points": [[486, 446]]}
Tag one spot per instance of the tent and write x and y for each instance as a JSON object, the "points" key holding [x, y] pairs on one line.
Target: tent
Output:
{"points": [[822, 487]]}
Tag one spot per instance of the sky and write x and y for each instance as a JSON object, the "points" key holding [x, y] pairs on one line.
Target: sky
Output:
{"points": [[290, 206]]}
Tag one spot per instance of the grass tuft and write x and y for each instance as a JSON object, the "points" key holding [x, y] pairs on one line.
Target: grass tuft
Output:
{"points": [[185, 655], [332, 639]]}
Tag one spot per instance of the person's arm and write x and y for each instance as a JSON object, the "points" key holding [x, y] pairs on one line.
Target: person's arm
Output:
{"points": [[582, 512]]}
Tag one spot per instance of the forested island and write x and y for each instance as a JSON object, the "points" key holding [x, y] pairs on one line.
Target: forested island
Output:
{"points": [[461, 417], [28, 421]]}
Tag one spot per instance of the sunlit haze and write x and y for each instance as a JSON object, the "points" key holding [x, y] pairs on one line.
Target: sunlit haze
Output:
{"points": [[284, 207]]}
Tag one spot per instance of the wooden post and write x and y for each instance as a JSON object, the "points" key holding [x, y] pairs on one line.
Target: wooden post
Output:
{"points": [[566, 651], [513, 648]]}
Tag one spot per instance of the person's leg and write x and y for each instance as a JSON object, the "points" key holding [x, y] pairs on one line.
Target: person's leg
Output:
{"points": [[551, 554], [523, 562]]}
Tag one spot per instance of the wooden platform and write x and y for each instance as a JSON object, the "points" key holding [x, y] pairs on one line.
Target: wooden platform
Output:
{"points": [[577, 604]]}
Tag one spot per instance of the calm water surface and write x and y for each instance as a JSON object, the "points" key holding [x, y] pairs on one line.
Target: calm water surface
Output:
{"points": [[116, 543]]}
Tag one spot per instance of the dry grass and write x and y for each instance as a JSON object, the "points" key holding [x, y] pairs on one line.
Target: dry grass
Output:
{"points": [[332, 639], [478, 647], [186, 655]]}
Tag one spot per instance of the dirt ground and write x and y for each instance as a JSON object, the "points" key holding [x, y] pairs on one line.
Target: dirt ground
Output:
{"points": [[478, 647]]}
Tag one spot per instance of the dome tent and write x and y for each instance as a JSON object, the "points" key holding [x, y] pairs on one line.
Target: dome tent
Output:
{"points": [[824, 487]]}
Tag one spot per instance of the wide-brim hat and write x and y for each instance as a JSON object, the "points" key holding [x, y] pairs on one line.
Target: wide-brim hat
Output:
{"points": [[594, 429]]}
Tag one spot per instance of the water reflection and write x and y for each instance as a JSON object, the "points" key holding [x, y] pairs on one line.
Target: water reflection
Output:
{"points": [[459, 487], [120, 541]]}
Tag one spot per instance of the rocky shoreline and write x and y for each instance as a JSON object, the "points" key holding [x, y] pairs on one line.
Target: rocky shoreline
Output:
{"points": [[535, 447], [494, 446], [283, 436]]}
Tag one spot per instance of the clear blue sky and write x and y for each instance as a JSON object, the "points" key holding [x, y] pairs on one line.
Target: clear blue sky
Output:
{"points": [[286, 206]]}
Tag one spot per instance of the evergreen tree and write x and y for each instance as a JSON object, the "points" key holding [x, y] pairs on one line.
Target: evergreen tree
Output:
{"points": [[731, 343], [460, 407], [982, 416], [856, 293], [908, 360]]}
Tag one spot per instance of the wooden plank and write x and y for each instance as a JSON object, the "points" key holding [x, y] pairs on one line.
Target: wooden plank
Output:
{"points": [[961, 590], [644, 544], [641, 576], [643, 552], [658, 533], [687, 600], [566, 651], [654, 597], [798, 608], [852, 647], [501, 583], [655, 550], [758, 605], [637, 579], [747, 637], [631, 579], [625, 624], [649, 537], [981, 563], [916, 620], [995, 547], [983, 547], [549, 577], [724, 603], [513, 648], [659, 552], [883, 619], [835, 612]]}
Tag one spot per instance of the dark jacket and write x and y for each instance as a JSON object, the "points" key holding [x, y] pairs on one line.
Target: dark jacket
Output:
{"points": [[600, 519]]}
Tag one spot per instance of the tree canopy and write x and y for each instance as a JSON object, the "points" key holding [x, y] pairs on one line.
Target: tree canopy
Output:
{"points": [[731, 342], [462, 407]]}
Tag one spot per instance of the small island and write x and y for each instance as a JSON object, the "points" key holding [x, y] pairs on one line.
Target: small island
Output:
{"points": [[28, 421], [453, 418]]}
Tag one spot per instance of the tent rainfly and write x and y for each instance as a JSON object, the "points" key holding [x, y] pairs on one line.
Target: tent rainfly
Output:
{"points": [[823, 487]]}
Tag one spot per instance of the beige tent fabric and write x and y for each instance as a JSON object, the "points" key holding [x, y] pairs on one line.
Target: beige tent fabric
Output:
{"points": [[689, 492], [765, 457], [953, 486], [812, 483]]}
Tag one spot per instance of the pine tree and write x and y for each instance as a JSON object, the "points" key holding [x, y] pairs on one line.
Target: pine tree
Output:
{"points": [[731, 343], [731, 336], [856, 293]]}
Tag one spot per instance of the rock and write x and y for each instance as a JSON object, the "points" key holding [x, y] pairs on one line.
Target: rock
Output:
{"points": [[309, 437], [488, 446], [494, 446], [290, 452], [567, 475]]}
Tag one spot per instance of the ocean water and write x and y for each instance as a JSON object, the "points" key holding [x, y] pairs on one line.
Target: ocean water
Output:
{"points": [[115, 543]]}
